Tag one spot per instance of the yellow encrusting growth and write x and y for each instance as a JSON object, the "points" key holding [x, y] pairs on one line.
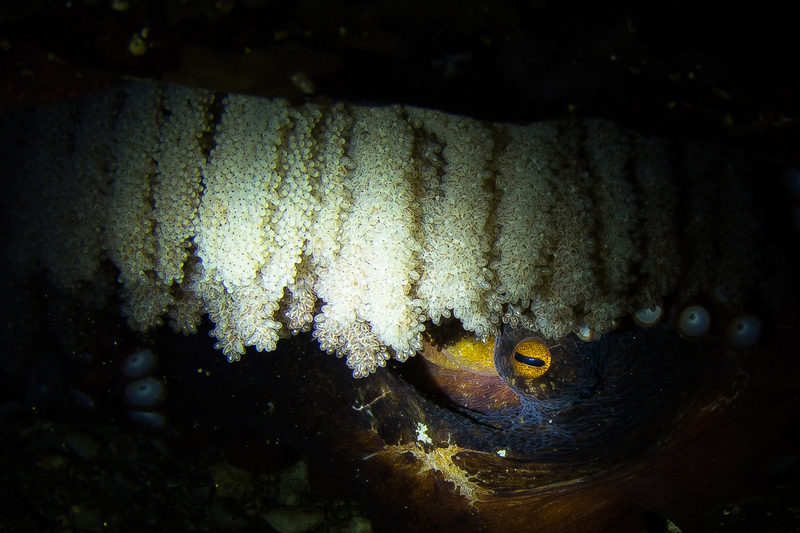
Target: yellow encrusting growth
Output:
{"points": [[440, 460]]}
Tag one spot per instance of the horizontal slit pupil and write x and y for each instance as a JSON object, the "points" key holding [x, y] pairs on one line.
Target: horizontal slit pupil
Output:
{"points": [[524, 359]]}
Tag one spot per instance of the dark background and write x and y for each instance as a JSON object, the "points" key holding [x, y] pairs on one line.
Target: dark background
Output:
{"points": [[701, 70]]}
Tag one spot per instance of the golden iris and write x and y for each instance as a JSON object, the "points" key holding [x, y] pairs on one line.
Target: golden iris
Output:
{"points": [[531, 359]]}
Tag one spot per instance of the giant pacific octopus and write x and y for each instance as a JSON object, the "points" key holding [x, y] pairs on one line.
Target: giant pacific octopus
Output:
{"points": [[640, 426], [617, 434], [524, 433], [672, 413]]}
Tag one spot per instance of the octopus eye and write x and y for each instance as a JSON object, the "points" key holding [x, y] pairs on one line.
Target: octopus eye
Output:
{"points": [[531, 359]]}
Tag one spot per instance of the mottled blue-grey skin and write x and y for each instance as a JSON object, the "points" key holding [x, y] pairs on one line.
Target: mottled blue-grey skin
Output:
{"points": [[603, 397], [636, 401], [606, 401]]}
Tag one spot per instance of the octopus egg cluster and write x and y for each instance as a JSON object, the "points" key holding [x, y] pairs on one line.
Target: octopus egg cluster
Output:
{"points": [[365, 224]]}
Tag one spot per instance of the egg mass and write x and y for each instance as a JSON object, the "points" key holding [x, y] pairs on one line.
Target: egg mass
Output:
{"points": [[368, 225]]}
